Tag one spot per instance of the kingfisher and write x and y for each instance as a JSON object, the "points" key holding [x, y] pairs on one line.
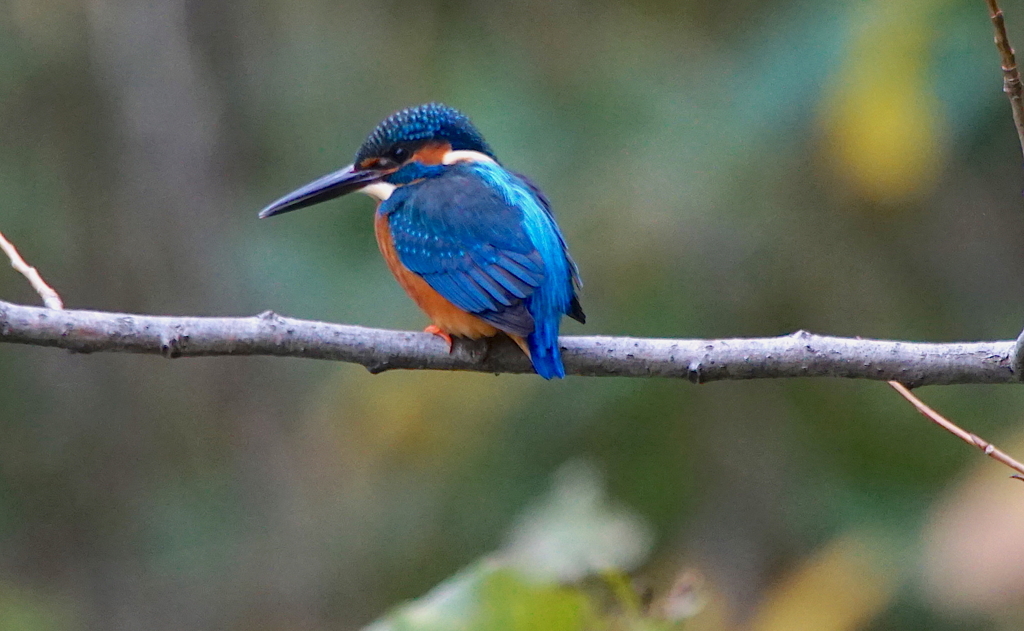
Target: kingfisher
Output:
{"points": [[473, 244]]}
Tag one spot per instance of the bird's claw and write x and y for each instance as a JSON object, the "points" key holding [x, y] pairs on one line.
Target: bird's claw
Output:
{"points": [[433, 329]]}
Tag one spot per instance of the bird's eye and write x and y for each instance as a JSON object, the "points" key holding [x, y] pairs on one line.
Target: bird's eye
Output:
{"points": [[399, 154]]}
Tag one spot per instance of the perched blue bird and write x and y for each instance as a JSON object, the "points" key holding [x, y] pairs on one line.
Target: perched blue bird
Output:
{"points": [[473, 244]]}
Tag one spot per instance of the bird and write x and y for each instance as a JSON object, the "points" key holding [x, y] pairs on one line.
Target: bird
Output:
{"points": [[474, 244]]}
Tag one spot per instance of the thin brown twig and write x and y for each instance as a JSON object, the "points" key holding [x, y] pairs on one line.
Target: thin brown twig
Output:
{"points": [[1011, 76], [986, 447], [50, 297]]}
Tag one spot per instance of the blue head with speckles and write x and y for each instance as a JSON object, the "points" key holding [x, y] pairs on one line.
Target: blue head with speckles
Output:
{"points": [[392, 146], [417, 125]]}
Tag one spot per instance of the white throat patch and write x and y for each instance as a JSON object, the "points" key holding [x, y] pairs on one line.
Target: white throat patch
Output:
{"points": [[378, 190]]}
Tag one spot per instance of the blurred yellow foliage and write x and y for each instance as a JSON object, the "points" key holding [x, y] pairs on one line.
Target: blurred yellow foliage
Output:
{"points": [[417, 418], [841, 588], [882, 122]]}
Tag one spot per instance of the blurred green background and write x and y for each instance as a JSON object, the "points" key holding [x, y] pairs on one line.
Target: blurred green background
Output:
{"points": [[732, 168]]}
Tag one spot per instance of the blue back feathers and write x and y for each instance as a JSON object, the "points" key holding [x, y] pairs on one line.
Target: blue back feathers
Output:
{"points": [[483, 239], [556, 293], [432, 121]]}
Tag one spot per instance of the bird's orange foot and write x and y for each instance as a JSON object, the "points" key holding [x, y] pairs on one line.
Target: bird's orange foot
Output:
{"points": [[433, 329]]}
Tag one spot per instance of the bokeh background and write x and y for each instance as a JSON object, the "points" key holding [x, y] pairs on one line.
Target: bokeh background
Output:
{"points": [[731, 168]]}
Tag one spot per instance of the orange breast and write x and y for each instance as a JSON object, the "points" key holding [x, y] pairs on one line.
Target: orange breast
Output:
{"points": [[443, 313]]}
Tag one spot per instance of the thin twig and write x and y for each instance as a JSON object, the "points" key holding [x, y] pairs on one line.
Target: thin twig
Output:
{"points": [[798, 355], [47, 293], [986, 447], [1011, 76]]}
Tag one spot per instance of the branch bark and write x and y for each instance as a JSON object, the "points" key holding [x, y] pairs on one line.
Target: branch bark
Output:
{"points": [[798, 355]]}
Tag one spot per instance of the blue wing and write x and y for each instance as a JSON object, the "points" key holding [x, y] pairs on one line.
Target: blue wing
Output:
{"points": [[468, 244], [575, 310], [486, 240]]}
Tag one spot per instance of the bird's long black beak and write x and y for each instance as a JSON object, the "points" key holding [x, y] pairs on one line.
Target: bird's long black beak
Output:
{"points": [[333, 185]]}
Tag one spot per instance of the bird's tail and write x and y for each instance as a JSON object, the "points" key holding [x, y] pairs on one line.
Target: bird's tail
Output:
{"points": [[544, 351]]}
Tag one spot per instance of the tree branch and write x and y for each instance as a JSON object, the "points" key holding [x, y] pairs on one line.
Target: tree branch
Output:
{"points": [[798, 355], [1011, 76]]}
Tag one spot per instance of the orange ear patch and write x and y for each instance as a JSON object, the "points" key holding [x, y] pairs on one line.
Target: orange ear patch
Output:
{"points": [[432, 153]]}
